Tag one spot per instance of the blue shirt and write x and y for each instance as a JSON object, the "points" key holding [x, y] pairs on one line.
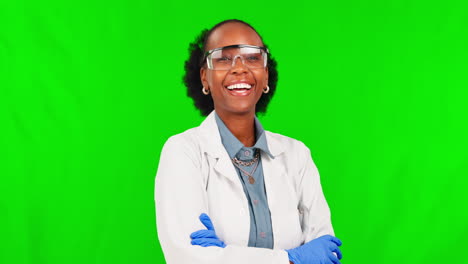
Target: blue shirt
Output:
{"points": [[261, 234]]}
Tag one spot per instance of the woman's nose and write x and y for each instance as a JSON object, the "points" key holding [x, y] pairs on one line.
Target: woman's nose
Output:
{"points": [[238, 65]]}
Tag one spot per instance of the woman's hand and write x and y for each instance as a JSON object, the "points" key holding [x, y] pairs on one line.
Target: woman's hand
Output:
{"points": [[206, 237], [319, 250]]}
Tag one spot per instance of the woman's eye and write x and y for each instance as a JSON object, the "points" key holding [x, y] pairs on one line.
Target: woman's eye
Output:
{"points": [[253, 58], [223, 59]]}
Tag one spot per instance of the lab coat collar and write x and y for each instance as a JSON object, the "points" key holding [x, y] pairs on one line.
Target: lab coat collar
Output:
{"points": [[213, 147], [233, 145], [211, 138]]}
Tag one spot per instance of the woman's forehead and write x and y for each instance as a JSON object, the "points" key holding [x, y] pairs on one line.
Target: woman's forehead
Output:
{"points": [[233, 34]]}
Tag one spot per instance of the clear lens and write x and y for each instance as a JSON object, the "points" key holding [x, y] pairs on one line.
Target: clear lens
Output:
{"points": [[224, 59]]}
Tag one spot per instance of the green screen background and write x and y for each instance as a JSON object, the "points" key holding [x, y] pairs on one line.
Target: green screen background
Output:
{"points": [[90, 91]]}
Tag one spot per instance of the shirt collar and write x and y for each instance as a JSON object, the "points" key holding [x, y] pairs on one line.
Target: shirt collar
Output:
{"points": [[233, 145]]}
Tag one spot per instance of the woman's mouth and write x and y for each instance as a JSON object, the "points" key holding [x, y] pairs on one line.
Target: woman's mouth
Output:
{"points": [[239, 89]]}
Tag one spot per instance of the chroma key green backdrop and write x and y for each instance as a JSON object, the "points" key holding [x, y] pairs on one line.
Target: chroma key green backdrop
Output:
{"points": [[90, 91]]}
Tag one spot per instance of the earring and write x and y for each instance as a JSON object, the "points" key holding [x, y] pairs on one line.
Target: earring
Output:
{"points": [[205, 91], [266, 89]]}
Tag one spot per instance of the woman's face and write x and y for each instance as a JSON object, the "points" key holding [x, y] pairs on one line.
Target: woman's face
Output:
{"points": [[228, 101]]}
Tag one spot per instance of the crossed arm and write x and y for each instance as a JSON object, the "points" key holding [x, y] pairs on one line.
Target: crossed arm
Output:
{"points": [[319, 250]]}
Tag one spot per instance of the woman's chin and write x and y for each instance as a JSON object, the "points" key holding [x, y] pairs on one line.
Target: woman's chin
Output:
{"points": [[239, 109], [244, 111]]}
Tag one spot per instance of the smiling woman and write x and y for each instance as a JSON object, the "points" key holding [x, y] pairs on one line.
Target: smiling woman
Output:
{"points": [[228, 191], [199, 59]]}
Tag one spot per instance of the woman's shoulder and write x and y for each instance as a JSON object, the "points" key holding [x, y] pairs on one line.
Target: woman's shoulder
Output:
{"points": [[285, 143], [188, 138], [183, 146], [197, 136]]}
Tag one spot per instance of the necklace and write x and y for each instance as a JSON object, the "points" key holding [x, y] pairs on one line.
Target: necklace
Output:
{"points": [[237, 163], [244, 163]]}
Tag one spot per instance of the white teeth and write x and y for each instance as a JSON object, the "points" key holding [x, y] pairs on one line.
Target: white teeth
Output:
{"points": [[239, 86]]}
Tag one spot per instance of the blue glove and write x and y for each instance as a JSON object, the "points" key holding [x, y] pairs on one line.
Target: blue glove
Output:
{"points": [[317, 251], [206, 237]]}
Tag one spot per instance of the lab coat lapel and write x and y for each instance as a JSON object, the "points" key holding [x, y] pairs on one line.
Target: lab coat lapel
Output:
{"points": [[209, 134], [225, 167], [274, 173]]}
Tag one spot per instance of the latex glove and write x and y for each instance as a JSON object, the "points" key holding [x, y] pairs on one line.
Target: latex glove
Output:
{"points": [[317, 251], [206, 237]]}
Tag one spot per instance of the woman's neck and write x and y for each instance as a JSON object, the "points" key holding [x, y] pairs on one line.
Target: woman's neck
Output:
{"points": [[241, 126]]}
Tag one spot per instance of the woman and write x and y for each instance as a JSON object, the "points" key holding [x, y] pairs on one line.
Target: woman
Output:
{"points": [[228, 191]]}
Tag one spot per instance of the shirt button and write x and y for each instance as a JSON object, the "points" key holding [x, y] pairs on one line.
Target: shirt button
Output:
{"points": [[247, 153], [262, 234], [255, 202]]}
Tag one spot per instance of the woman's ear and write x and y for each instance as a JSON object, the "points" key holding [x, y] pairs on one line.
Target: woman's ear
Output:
{"points": [[203, 78]]}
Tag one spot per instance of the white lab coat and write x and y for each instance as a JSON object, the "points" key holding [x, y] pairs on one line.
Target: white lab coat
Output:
{"points": [[195, 175]]}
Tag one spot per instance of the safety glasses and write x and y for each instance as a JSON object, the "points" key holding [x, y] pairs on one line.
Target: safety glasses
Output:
{"points": [[224, 58]]}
